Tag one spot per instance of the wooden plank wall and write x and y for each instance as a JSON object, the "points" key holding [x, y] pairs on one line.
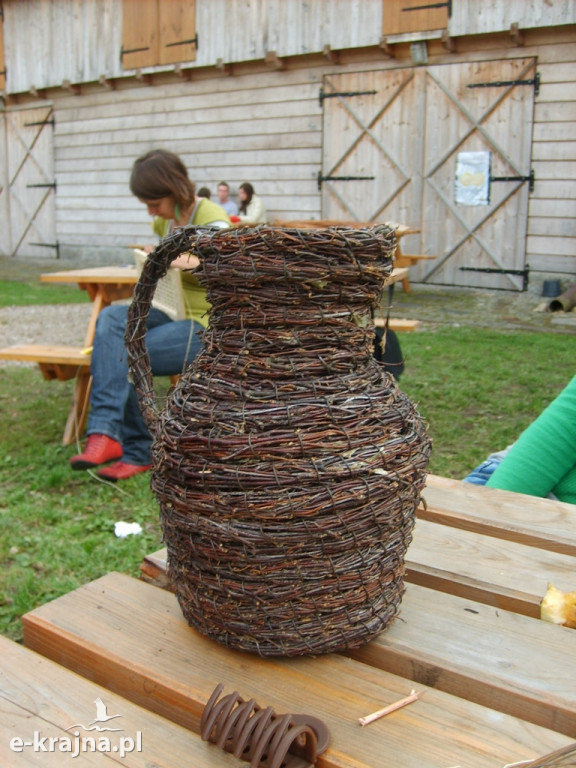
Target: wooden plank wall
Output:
{"points": [[478, 17], [263, 128], [551, 242], [257, 125], [88, 35]]}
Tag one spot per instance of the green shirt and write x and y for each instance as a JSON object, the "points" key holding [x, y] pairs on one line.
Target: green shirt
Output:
{"points": [[206, 212]]}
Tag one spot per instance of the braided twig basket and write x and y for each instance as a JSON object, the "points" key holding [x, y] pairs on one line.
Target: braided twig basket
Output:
{"points": [[287, 463]]}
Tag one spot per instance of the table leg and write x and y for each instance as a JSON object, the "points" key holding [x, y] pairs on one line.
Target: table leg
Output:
{"points": [[79, 410], [97, 306]]}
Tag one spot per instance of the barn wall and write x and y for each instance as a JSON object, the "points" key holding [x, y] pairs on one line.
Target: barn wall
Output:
{"points": [[249, 122]]}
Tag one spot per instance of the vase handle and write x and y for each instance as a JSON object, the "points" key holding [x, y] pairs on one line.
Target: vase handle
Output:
{"points": [[155, 268]]}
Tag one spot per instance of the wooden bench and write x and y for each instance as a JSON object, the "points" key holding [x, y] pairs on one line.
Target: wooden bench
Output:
{"points": [[131, 637], [397, 324], [39, 696], [62, 363]]}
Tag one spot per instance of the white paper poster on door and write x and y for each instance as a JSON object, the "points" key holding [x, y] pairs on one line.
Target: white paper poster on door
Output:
{"points": [[472, 185]]}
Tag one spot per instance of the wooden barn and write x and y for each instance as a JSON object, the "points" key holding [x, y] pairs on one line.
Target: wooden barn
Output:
{"points": [[456, 118]]}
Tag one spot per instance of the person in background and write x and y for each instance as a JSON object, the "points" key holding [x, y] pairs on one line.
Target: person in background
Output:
{"points": [[204, 192], [223, 191], [542, 462], [252, 209], [116, 430]]}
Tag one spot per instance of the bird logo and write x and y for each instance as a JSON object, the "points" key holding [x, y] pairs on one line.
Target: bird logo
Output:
{"points": [[102, 716]]}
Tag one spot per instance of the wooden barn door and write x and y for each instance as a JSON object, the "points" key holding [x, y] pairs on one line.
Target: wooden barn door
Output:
{"points": [[372, 146], [409, 144], [31, 187]]}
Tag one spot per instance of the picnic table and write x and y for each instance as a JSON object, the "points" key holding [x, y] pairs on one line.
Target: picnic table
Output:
{"points": [[496, 684]]}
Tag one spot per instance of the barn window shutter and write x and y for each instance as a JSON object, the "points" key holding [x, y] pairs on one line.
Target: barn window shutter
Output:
{"points": [[139, 33], [402, 16], [2, 62], [178, 38]]}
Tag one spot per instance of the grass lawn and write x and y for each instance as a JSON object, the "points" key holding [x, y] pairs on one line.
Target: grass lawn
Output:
{"points": [[476, 388]]}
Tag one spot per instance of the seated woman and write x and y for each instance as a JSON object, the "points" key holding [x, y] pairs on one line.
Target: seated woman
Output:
{"points": [[252, 209], [116, 430]]}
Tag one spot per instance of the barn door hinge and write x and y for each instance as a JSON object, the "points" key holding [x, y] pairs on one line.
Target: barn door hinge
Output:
{"points": [[34, 186], [342, 178], [194, 42], [55, 245], [346, 94], [51, 122], [531, 179], [535, 81], [428, 6], [525, 273], [126, 51]]}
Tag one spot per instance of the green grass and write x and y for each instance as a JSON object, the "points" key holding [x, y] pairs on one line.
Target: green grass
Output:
{"points": [[15, 293], [476, 388]]}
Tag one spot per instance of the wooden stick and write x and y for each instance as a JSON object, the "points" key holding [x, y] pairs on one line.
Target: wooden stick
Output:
{"points": [[390, 708]]}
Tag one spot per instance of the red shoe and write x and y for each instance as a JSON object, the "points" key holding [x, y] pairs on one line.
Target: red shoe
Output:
{"points": [[100, 449], [121, 470]]}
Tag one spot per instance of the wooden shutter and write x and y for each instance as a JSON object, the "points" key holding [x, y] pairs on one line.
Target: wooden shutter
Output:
{"points": [[2, 62], [398, 20], [177, 31], [139, 33]]}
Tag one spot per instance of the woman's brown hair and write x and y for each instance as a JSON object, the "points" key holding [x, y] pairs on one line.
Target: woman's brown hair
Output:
{"points": [[159, 174], [249, 189]]}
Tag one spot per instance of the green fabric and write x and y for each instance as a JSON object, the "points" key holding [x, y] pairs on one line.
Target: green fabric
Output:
{"points": [[543, 459], [197, 305]]}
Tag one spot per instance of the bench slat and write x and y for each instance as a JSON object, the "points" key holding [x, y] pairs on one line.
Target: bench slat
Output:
{"points": [[500, 659], [535, 522], [454, 560], [132, 637], [38, 695]]}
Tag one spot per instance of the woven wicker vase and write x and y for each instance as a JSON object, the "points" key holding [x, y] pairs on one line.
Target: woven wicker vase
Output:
{"points": [[287, 463]]}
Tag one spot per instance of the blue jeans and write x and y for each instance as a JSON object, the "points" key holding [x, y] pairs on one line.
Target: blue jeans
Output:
{"points": [[114, 409]]}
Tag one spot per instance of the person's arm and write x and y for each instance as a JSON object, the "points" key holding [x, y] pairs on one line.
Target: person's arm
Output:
{"points": [[544, 453]]}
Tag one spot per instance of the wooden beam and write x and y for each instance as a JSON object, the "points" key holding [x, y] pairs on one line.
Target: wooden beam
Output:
{"points": [[330, 55], [68, 86], [273, 61], [221, 66], [38, 93], [448, 42], [516, 34], [145, 79], [185, 73], [110, 85], [387, 48]]}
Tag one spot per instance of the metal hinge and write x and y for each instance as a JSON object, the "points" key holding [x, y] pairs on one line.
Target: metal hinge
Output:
{"points": [[431, 5], [324, 95], [535, 81], [525, 273], [194, 42], [342, 178], [41, 122], [125, 51], [55, 245], [34, 186], [531, 179]]}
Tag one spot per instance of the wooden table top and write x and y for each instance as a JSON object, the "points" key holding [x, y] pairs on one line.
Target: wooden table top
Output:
{"points": [[498, 684], [112, 274]]}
